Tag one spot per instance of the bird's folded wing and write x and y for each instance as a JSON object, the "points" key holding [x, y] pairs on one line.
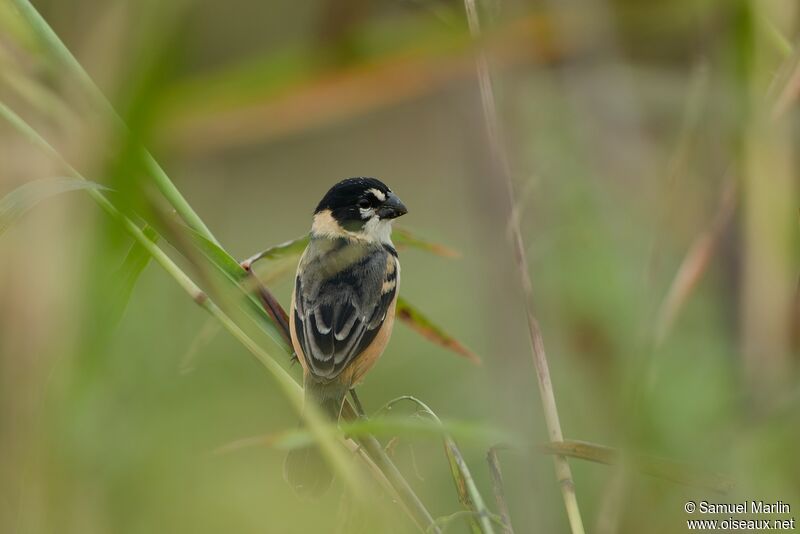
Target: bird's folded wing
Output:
{"points": [[336, 318]]}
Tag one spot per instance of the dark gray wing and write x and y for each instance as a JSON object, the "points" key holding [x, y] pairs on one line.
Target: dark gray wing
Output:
{"points": [[337, 316]]}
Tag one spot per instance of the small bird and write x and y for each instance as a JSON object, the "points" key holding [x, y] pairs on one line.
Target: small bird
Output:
{"points": [[343, 305]]}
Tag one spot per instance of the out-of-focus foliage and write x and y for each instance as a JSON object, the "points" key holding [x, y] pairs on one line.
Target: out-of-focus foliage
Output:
{"points": [[18, 202], [646, 139]]}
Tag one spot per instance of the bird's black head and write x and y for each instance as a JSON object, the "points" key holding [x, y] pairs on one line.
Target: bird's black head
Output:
{"points": [[358, 205]]}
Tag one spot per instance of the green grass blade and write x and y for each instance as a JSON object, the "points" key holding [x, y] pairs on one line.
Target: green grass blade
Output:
{"points": [[386, 426], [217, 255], [24, 198], [128, 274], [234, 272]]}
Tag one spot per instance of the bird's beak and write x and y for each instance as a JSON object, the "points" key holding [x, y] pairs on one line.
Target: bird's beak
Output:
{"points": [[392, 208]]}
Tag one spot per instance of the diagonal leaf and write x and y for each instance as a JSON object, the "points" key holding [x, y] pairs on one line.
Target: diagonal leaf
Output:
{"points": [[232, 270], [22, 199], [414, 318], [221, 259]]}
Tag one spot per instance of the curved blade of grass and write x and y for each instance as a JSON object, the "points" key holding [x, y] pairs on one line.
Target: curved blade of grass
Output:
{"points": [[25, 197], [657, 467], [421, 324], [468, 492]]}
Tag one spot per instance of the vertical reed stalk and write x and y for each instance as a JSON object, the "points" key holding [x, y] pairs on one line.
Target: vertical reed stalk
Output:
{"points": [[502, 167]]}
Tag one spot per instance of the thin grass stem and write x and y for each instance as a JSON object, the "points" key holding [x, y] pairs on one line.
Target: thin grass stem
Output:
{"points": [[499, 489], [501, 163]]}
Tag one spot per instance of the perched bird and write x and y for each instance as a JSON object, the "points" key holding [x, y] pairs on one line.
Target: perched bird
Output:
{"points": [[343, 305]]}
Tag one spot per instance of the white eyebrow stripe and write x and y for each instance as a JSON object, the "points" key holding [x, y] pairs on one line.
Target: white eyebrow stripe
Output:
{"points": [[378, 194]]}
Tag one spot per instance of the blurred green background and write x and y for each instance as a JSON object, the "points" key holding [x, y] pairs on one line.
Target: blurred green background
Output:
{"points": [[640, 134]]}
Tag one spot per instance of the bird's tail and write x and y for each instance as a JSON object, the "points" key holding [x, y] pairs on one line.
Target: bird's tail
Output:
{"points": [[305, 469]]}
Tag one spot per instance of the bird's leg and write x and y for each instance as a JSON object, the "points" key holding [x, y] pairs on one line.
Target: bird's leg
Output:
{"points": [[357, 403]]}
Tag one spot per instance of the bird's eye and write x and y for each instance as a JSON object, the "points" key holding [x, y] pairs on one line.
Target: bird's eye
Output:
{"points": [[364, 203]]}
